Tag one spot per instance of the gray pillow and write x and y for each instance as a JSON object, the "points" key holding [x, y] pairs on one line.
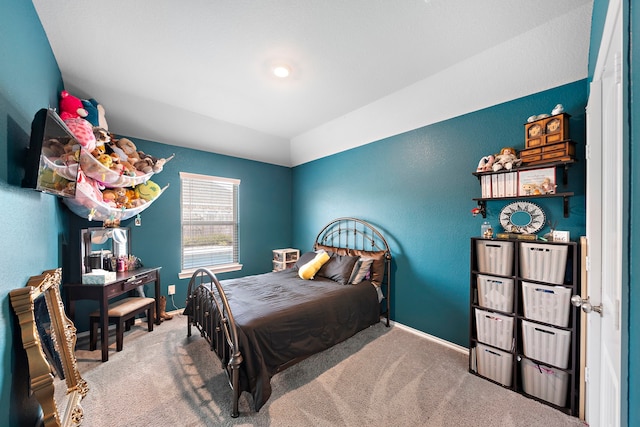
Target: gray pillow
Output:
{"points": [[304, 258], [338, 268], [360, 270]]}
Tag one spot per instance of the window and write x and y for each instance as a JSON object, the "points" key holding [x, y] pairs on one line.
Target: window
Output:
{"points": [[209, 223]]}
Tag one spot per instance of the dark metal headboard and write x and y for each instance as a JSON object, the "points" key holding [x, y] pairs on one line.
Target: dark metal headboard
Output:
{"points": [[354, 233]]}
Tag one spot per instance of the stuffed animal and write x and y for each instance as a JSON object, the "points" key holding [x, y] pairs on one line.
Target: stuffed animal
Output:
{"points": [[122, 200], [105, 160], [122, 167], [102, 136], [144, 165], [547, 187], [83, 132], [126, 149], [71, 107], [95, 113], [156, 164], [109, 197], [141, 161], [309, 270], [90, 186], [134, 198], [530, 189], [148, 190], [507, 159], [485, 164], [72, 113], [52, 147]]}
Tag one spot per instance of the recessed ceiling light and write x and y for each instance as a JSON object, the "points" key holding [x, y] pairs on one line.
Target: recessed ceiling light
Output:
{"points": [[281, 71]]}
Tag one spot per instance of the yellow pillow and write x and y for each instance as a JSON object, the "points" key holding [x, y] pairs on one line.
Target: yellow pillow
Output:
{"points": [[309, 270]]}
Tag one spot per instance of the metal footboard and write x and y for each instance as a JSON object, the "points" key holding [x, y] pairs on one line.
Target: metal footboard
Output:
{"points": [[208, 310]]}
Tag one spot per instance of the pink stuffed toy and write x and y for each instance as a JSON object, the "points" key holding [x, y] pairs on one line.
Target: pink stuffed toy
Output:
{"points": [[72, 113], [71, 107]]}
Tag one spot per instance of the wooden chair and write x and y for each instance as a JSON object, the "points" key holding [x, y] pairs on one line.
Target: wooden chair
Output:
{"points": [[122, 313]]}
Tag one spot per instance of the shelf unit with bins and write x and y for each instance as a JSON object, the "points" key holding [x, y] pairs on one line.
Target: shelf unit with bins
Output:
{"points": [[523, 329], [285, 258], [562, 165]]}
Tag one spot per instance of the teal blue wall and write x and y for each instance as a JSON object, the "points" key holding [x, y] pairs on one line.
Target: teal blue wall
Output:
{"points": [[40, 233], [418, 188], [31, 222]]}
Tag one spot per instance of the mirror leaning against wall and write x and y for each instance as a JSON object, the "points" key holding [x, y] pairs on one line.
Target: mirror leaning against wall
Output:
{"points": [[49, 339]]}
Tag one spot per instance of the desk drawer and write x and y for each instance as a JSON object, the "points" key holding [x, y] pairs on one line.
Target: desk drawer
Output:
{"points": [[131, 283]]}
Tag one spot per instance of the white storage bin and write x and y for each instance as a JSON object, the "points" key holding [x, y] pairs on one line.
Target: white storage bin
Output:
{"points": [[544, 382], [549, 304], [494, 329], [495, 293], [544, 263], [546, 344], [495, 257], [494, 364]]}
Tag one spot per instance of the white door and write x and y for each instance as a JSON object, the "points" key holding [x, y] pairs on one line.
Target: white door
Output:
{"points": [[605, 227]]}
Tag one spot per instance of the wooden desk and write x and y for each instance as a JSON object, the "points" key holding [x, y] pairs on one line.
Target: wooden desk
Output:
{"points": [[125, 282]]}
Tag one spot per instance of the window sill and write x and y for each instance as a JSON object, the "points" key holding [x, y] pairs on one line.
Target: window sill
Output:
{"points": [[186, 274]]}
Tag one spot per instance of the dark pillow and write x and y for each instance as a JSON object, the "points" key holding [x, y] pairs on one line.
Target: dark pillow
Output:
{"points": [[304, 258], [338, 268], [379, 260], [360, 270]]}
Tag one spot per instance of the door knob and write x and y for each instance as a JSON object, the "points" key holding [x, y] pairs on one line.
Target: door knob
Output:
{"points": [[586, 305]]}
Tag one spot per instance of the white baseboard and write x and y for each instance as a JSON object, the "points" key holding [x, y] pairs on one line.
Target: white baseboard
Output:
{"points": [[432, 338]]}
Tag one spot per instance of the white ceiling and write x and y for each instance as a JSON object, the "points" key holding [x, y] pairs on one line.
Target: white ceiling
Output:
{"points": [[197, 73]]}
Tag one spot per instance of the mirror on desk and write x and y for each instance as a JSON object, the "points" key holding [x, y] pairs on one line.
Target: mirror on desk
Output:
{"points": [[100, 246]]}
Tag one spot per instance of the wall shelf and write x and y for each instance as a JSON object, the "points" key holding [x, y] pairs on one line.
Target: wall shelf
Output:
{"points": [[563, 165], [482, 202]]}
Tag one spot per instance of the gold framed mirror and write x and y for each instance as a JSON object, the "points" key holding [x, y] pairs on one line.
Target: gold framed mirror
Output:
{"points": [[49, 339]]}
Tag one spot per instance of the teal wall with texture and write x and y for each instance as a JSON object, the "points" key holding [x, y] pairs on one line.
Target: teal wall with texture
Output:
{"points": [[265, 218], [31, 225], [417, 187]]}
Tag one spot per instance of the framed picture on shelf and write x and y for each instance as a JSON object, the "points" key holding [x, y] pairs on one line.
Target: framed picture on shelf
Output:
{"points": [[536, 182]]}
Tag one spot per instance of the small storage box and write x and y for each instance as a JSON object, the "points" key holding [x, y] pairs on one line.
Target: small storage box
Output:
{"points": [[494, 329], [98, 277], [495, 293], [494, 364], [544, 382], [495, 257], [546, 344], [549, 304], [544, 263], [285, 255]]}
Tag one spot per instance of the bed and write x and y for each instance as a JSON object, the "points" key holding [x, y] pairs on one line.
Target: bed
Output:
{"points": [[260, 325]]}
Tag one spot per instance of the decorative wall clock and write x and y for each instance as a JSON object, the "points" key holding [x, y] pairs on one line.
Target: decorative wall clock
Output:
{"points": [[522, 217]]}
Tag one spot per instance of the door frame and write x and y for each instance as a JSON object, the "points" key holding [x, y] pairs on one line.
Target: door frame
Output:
{"points": [[594, 404]]}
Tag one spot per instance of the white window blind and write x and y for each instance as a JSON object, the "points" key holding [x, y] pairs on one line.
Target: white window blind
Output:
{"points": [[209, 222]]}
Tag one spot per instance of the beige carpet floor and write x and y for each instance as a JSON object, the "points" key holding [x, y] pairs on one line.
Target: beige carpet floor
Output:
{"points": [[382, 376]]}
